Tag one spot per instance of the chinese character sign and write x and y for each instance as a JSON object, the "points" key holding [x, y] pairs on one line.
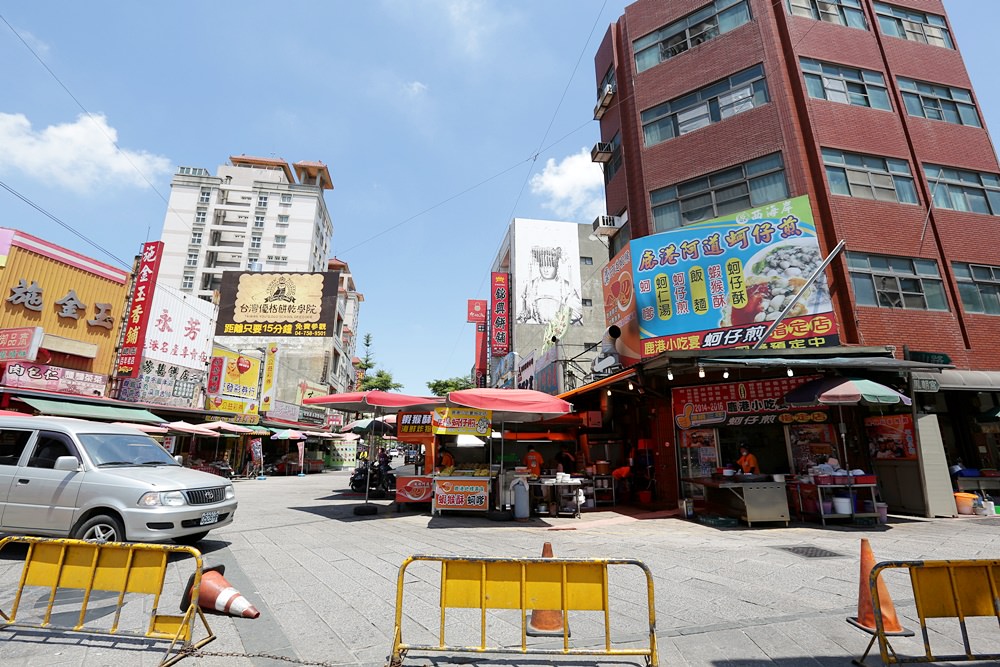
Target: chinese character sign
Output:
{"points": [[477, 310], [140, 306], [20, 343], [29, 375], [461, 494], [278, 304], [461, 421], [180, 329], [748, 403], [500, 315], [722, 283]]}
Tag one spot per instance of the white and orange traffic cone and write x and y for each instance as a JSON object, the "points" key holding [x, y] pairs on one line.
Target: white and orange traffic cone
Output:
{"points": [[217, 594], [866, 608], [546, 622]]}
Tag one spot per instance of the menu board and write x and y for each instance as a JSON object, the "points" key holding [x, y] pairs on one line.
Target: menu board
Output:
{"points": [[891, 437], [810, 441]]}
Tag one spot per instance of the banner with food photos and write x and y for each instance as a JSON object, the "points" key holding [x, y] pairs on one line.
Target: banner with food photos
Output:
{"points": [[721, 283]]}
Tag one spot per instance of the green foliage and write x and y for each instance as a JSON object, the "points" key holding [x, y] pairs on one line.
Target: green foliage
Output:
{"points": [[381, 380], [442, 387]]}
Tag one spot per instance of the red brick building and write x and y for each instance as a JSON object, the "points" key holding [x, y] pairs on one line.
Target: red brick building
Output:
{"points": [[707, 107]]}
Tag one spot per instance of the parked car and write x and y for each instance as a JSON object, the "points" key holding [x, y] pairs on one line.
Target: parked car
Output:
{"points": [[93, 481], [412, 457]]}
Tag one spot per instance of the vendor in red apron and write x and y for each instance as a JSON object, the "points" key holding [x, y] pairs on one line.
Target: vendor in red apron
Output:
{"points": [[747, 462]]}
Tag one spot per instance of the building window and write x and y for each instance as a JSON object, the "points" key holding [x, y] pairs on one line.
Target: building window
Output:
{"points": [[280, 240], [712, 20], [979, 286], [741, 187], [896, 282], [738, 93], [258, 221], [608, 80], [869, 177], [192, 259], [586, 261], [262, 200], [612, 166], [205, 196], [588, 302], [200, 216], [286, 200], [187, 281], [282, 219], [255, 242], [860, 87], [195, 238], [844, 12], [913, 25], [961, 190], [929, 100]]}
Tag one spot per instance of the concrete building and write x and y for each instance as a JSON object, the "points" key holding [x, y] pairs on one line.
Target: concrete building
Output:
{"points": [[713, 107], [253, 214], [555, 304], [341, 375]]}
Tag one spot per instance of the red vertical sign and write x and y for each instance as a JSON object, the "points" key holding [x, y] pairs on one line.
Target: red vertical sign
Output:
{"points": [[215, 370], [481, 356], [138, 315], [500, 315]]}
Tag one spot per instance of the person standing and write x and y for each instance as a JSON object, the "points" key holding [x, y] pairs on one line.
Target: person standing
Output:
{"points": [[747, 461], [533, 460], [445, 458], [566, 459]]}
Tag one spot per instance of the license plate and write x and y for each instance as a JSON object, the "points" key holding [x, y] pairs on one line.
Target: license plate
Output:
{"points": [[209, 517]]}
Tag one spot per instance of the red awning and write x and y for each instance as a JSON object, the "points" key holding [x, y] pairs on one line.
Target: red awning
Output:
{"points": [[368, 401], [513, 405]]}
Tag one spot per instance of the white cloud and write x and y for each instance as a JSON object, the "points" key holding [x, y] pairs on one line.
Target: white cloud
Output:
{"points": [[37, 45], [415, 88], [471, 22], [79, 155], [573, 188]]}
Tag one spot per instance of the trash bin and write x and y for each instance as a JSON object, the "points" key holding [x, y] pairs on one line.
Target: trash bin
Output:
{"points": [[519, 492], [965, 501]]}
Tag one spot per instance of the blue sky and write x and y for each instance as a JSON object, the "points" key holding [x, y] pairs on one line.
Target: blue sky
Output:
{"points": [[440, 121]]}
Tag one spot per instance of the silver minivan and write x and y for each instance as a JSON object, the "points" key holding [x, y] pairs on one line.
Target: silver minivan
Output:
{"points": [[64, 477]]}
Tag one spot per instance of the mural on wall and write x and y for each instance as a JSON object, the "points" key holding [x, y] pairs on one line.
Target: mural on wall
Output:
{"points": [[547, 274]]}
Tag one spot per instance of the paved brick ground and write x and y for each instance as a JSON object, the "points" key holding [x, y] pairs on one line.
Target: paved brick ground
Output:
{"points": [[324, 581]]}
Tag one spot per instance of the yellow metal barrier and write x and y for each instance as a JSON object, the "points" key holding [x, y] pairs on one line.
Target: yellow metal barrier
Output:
{"points": [[115, 567], [566, 584], [958, 589]]}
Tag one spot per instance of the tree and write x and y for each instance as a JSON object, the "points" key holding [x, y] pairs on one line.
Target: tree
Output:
{"points": [[382, 379], [442, 387]]}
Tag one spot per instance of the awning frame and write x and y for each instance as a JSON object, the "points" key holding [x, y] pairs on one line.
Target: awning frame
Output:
{"points": [[93, 411]]}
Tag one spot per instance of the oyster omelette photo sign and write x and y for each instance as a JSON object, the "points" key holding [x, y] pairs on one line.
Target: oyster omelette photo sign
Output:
{"points": [[721, 283]]}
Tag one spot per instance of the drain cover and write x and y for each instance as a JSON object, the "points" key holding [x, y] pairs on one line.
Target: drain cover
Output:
{"points": [[811, 552]]}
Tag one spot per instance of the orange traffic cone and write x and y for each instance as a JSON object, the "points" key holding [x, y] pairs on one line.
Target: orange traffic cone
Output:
{"points": [[866, 611], [546, 622], [217, 594]]}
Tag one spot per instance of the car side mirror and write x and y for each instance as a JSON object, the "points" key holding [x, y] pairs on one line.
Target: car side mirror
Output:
{"points": [[179, 459], [66, 463]]}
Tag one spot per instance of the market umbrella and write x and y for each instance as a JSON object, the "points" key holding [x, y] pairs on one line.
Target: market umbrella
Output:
{"points": [[841, 391], [184, 427], [844, 391], [226, 426], [384, 402], [509, 405], [369, 426], [288, 434], [145, 428]]}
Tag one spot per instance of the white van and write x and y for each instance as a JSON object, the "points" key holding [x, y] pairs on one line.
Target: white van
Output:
{"points": [[92, 481]]}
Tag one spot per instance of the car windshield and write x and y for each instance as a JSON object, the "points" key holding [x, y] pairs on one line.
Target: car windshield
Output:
{"points": [[108, 449]]}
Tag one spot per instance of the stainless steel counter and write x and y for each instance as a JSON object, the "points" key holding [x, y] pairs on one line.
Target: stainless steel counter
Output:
{"points": [[750, 501]]}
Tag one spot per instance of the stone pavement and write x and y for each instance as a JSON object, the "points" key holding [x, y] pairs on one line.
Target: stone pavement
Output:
{"points": [[325, 581]]}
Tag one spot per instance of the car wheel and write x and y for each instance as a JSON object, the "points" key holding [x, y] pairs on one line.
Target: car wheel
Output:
{"points": [[191, 540], [101, 528]]}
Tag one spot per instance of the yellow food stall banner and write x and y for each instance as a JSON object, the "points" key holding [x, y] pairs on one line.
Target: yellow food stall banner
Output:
{"points": [[461, 493], [461, 421]]}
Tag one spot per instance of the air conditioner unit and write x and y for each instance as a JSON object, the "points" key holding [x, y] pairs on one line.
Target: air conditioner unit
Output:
{"points": [[604, 101], [601, 152], [608, 225]]}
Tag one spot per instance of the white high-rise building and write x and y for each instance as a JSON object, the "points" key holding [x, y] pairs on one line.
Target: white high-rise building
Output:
{"points": [[254, 214]]}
